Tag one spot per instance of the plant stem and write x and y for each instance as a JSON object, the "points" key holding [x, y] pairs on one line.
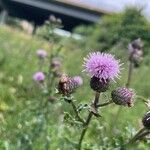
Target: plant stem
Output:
{"points": [[50, 73], [143, 135], [105, 104], [46, 115], [142, 98], [97, 95], [85, 127], [129, 74], [76, 112], [84, 130], [127, 85], [41, 64], [136, 137]]}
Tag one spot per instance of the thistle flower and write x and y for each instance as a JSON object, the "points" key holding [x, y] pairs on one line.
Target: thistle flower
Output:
{"points": [[146, 120], [123, 96], [41, 53], [102, 68], [39, 76], [101, 65], [78, 80], [67, 85]]}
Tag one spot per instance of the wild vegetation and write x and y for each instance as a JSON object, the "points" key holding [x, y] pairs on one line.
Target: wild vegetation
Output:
{"points": [[37, 112]]}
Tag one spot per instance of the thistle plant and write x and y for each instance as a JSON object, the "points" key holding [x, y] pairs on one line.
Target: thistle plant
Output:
{"points": [[135, 57], [103, 70], [45, 78], [47, 31], [143, 132], [135, 52], [49, 70]]}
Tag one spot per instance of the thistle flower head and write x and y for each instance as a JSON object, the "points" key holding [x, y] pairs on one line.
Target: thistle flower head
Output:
{"points": [[68, 85], [146, 120], [101, 65], [123, 96], [136, 44], [39, 76], [78, 80], [41, 53], [135, 51]]}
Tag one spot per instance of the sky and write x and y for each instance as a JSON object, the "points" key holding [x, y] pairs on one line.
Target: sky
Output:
{"points": [[117, 5]]}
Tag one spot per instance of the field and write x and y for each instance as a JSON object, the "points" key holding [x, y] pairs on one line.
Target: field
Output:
{"points": [[20, 107]]}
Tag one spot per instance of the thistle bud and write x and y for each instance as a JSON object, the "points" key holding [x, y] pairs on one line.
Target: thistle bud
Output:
{"points": [[122, 96], [135, 51], [67, 85], [146, 120], [56, 64], [99, 85], [137, 44], [62, 86]]}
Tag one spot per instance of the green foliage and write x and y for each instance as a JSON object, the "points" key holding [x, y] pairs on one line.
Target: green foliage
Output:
{"points": [[116, 28], [21, 111], [47, 30]]}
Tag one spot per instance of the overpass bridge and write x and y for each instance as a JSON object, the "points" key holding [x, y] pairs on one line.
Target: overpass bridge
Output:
{"points": [[71, 12]]}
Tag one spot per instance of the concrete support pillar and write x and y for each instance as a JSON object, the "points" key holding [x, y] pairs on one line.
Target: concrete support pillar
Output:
{"points": [[34, 28], [3, 17]]}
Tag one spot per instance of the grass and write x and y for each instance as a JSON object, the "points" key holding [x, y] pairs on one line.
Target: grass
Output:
{"points": [[18, 62]]}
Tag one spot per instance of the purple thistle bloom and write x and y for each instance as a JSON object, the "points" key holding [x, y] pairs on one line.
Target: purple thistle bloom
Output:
{"points": [[101, 65], [39, 76], [41, 53], [78, 80]]}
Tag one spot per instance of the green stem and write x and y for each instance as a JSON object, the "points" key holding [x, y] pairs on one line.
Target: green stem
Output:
{"points": [[143, 135], [105, 104], [76, 112], [88, 120], [142, 98], [127, 85], [41, 63], [50, 73], [84, 130], [136, 137], [46, 115], [129, 74]]}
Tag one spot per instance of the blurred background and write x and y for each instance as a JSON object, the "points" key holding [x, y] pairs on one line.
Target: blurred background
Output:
{"points": [[71, 12]]}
